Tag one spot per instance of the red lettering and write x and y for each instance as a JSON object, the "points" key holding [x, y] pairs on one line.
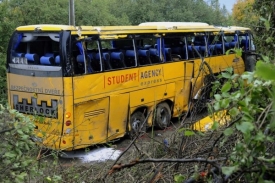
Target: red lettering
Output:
{"points": [[109, 81], [113, 79], [121, 78], [117, 80], [131, 77], [126, 77]]}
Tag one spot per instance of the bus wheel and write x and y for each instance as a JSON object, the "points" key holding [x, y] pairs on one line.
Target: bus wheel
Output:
{"points": [[136, 120], [162, 115]]}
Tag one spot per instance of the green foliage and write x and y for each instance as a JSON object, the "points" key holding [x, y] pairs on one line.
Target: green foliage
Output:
{"points": [[265, 70], [3, 83], [249, 102], [179, 178], [264, 29], [17, 160]]}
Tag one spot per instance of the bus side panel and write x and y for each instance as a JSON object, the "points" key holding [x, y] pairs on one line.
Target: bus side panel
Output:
{"points": [[153, 94], [90, 122], [182, 90], [8, 89], [179, 98], [150, 97], [67, 139], [118, 116]]}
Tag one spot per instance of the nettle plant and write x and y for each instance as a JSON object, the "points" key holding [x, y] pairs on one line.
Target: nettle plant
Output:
{"points": [[17, 159], [249, 136], [20, 158]]}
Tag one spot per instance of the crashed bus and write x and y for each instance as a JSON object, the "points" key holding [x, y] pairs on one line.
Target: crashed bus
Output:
{"points": [[89, 85]]}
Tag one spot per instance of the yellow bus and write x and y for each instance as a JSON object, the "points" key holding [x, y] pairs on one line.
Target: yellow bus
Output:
{"points": [[88, 85]]}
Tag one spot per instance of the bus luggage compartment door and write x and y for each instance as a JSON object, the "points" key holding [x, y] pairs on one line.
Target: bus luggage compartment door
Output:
{"points": [[91, 120]]}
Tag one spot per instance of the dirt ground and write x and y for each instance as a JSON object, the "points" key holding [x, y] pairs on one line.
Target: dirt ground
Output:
{"points": [[155, 144]]}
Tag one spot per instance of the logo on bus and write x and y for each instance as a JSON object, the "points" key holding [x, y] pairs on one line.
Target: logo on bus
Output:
{"points": [[33, 108]]}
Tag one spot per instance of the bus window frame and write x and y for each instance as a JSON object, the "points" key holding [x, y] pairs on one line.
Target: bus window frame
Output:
{"points": [[135, 51], [65, 48]]}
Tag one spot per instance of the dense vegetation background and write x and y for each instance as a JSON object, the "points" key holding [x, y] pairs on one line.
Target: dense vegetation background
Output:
{"points": [[250, 105]]}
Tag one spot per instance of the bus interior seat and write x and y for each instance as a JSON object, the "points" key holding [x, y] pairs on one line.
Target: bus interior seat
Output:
{"points": [[144, 57], [233, 44], [177, 53], [147, 46], [95, 61], [117, 60], [46, 60], [192, 51], [15, 54], [168, 54], [32, 58], [244, 44], [226, 46], [154, 56], [203, 50], [81, 65], [219, 49], [57, 60], [212, 49], [49, 55], [105, 59], [129, 59]]}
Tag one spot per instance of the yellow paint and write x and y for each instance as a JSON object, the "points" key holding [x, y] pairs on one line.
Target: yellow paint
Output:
{"points": [[91, 121], [118, 115], [207, 122]]}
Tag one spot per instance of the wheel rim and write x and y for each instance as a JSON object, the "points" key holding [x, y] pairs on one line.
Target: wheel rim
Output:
{"points": [[136, 124], [163, 116]]}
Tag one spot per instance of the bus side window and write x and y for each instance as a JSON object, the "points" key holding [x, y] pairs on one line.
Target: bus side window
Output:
{"points": [[194, 47]]}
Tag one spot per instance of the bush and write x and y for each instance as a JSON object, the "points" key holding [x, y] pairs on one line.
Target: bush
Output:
{"points": [[17, 149]]}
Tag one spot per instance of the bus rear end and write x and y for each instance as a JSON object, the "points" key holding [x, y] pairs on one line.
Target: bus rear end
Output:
{"points": [[36, 71]]}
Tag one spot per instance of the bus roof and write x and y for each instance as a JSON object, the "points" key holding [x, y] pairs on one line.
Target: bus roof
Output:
{"points": [[233, 29], [45, 27], [181, 24], [148, 27]]}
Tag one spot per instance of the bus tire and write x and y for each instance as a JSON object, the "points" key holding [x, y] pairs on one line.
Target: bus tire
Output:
{"points": [[162, 115], [136, 120], [250, 63]]}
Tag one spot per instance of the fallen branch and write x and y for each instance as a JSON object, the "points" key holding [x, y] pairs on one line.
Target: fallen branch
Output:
{"points": [[118, 167]]}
